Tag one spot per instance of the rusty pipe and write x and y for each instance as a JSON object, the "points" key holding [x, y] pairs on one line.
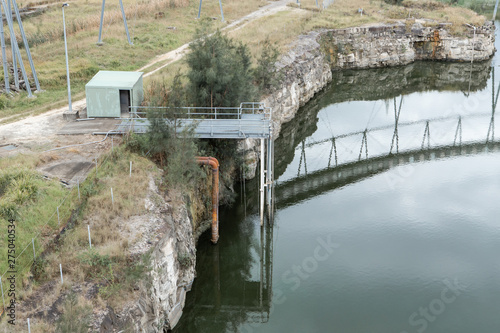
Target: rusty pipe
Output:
{"points": [[215, 193]]}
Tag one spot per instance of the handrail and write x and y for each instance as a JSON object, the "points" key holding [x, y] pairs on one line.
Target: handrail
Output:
{"points": [[216, 112]]}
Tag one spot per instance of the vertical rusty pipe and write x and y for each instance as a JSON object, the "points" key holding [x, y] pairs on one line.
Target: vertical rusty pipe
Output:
{"points": [[215, 193]]}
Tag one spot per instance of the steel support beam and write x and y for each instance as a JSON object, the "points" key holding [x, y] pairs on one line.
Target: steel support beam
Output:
{"points": [[4, 56], [12, 47], [221, 11], [16, 50], [26, 45], [125, 22], [99, 40], [262, 166]]}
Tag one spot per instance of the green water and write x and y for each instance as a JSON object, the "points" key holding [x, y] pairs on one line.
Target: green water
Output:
{"points": [[385, 231]]}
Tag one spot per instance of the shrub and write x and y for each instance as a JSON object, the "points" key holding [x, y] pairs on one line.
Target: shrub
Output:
{"points": [[76, 316]]}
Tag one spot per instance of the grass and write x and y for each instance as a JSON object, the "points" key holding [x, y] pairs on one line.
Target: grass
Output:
{"points": [[149, 24], [283, 27], [150, 36], [31, 201], [107, 261]]}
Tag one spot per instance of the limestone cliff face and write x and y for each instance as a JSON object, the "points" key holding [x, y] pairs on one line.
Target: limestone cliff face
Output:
{"points": [[166, 233], [402, 43], [305, 72], [307, 67]]}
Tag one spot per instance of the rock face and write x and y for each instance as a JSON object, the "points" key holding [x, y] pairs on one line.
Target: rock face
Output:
{"points": [[308, 67], [403, 43], [305, 72], [172, 267]]}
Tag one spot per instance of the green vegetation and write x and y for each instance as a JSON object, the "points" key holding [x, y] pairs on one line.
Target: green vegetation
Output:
{"points": [[152, 37], [31, 201], [265, 74], [150, 25], [76, 315], [219, 72]]}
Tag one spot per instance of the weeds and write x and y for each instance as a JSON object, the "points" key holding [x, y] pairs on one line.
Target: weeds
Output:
{"points": [[76, 315]]}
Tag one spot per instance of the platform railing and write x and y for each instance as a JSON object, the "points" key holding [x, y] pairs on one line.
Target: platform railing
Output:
{"points": [[203, 113]]}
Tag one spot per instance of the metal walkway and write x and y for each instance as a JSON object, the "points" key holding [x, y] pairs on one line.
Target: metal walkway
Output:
{"points": [[249, 120]]}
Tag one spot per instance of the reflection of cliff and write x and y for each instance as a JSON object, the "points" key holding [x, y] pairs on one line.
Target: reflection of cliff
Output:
{"points": [[376, 84]]}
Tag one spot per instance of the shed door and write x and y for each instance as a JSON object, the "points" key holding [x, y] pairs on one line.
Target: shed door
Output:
{"points": [[125, 101]]}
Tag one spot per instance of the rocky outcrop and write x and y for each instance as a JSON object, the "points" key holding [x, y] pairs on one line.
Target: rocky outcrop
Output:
{"points": [[307, 67], [397, 44], [167, 234], [305, 72]]}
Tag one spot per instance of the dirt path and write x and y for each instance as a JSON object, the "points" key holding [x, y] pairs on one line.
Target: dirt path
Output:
{"points": [[44, 127]]}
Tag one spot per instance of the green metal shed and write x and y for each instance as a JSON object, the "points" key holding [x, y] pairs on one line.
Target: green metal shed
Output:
{"points": [[112, 93]]}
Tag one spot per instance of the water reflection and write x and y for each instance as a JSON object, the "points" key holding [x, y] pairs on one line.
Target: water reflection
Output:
{"points": [[364, 124]]}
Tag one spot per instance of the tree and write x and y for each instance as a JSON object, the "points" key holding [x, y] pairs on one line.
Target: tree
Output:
{"points": [[219, 72], [265, 74]]}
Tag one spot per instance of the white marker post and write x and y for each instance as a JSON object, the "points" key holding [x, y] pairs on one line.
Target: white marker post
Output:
{"points": [[1, 286], [34, 254], [112, 199], [90, 241], [60, 269], [130, 172], [29, 328]]}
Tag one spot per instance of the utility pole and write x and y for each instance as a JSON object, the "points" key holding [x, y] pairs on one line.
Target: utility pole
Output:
{"points": [[495, 11], [67, 63]]}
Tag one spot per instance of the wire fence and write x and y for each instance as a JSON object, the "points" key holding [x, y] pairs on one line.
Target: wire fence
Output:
{"points": [[40, 241]]}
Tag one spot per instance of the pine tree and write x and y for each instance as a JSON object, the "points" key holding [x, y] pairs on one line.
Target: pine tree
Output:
{"points": [[220, 72]]}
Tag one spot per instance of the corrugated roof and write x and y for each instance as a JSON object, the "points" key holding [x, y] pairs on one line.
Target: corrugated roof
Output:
{"points": [[114, 79]]}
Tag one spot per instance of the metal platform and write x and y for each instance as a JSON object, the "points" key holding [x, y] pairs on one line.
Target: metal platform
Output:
{"points": [[250, 120], [253, 121]]}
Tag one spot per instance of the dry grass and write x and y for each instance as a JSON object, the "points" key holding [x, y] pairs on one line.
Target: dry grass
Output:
{"points": [[149, 22], [151, 36], [344, 13], [283, 27]]}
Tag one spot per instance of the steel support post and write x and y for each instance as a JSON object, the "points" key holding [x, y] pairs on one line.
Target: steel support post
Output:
{"points": [[221, 12], [125, 22], [67, 60], [199, 9], [4, 56], [16, 50], [272, 179], [262, 166], [12, 47], [99, 40], [26, 45], [495, 11], [269, 177]]}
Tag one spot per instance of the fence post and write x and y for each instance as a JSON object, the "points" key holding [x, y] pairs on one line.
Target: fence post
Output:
{"points": [[60, 269], [90, 241], [1, 286]]}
